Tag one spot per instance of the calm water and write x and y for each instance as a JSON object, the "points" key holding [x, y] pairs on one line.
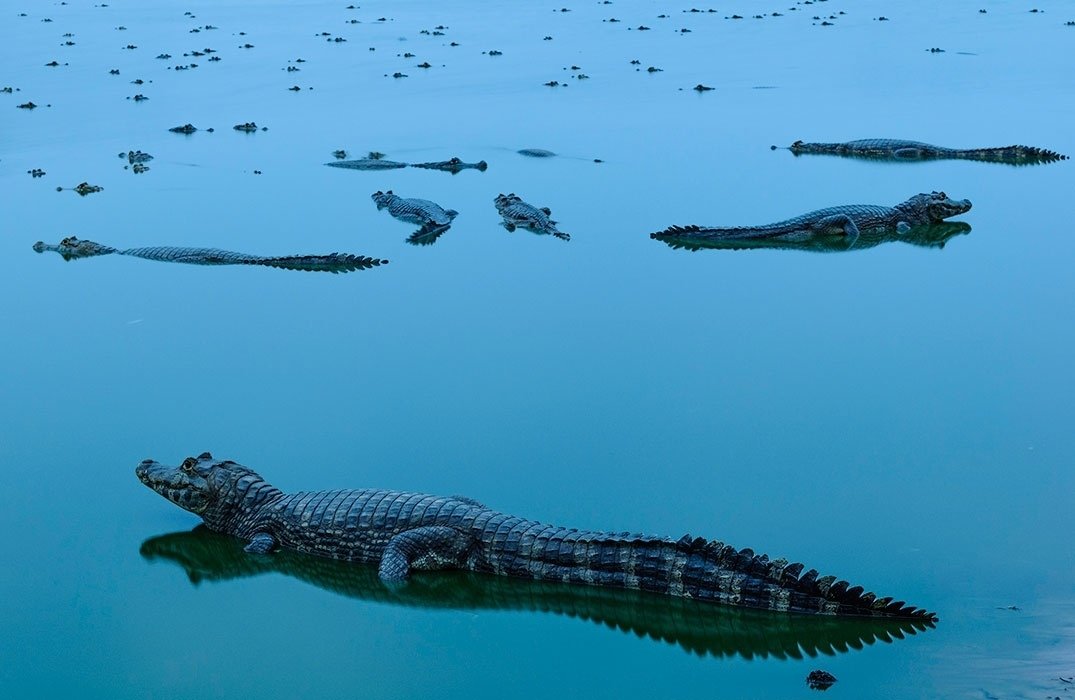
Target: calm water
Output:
{"points": [[900, 416]]}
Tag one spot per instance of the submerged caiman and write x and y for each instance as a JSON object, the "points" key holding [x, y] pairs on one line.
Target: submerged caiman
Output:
{"points": [[519, 214], [72, 248], [406, 532], [928, 236], [698, 628], [847, 221], [901, 150]]}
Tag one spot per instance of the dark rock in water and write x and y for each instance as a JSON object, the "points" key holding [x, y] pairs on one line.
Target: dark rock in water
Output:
{"points": [[339, 155], [536, 153], [820, 680]]}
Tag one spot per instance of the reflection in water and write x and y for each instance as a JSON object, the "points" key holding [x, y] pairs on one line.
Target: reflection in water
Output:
{"points": [[696, 627], [931, 236], [72, 248]]}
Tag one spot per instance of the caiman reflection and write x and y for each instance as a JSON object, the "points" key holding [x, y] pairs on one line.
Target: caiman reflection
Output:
{"points": [[931, 236], [695, 627]]}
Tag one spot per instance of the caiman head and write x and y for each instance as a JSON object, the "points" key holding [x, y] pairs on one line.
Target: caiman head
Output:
{"points": [[382, 199], [72, 248], [503, 201], [211, 488], [937, 206]]}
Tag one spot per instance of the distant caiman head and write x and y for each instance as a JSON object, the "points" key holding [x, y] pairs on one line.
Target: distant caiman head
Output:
{"points": [[382, 199], [936, 205], [208, 487], [72, 247]]}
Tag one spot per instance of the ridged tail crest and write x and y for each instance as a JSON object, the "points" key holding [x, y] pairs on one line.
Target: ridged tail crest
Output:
{"points": [[334, 262], [784, 585], [700, 569]]}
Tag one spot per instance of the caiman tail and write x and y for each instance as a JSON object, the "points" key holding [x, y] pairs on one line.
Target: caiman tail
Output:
{"points": [[732, 233], [704, 570], [333, 262]]}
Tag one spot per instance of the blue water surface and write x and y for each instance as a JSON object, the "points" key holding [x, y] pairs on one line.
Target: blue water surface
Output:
{"points": [[900, 416]]}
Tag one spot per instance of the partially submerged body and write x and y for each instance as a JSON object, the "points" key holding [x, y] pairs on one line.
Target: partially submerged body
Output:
{"points": [[73, 248], [903, 150], [519, 214], [847, 221], [405, 532]]}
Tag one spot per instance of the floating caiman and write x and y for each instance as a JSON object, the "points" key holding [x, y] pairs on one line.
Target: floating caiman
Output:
{"points": [[367, 164], [696, 627], [847, 221], [519, 214], [901, 150], [432, 219], [406, 532], [452, 165], [72, 248], [928, 236]]}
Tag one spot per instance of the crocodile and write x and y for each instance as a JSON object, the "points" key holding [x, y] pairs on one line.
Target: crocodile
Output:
{"points": [[848, 221], [452, 165], [518, 214], [928, 236], [697, 628], [430, 216], [72, 248], [402, 532], [901, 150]]}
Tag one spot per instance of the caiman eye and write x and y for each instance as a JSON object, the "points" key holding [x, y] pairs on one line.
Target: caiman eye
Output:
{"points": [[188, 465]]}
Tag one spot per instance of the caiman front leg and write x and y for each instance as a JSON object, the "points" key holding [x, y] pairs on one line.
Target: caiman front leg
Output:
{"points": [[842, 223], [423, 549]]}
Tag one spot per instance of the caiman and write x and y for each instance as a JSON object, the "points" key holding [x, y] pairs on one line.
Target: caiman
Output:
{"points": [[847, 221], [452, 165], [698, 628], [901, 150], [367, 164], [426, 214], [928, 236], [72, 248], [519, 214], [403, 533]]}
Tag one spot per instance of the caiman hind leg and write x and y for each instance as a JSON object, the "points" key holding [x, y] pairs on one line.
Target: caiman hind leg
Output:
{"points": [[840, 224], [261, 543], [423, 549]]}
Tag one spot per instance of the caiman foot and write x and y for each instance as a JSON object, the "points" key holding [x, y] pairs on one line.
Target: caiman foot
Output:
{"points": [[423, 549]]}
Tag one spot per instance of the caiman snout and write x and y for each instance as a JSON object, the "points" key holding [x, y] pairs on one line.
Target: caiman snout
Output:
{"points": [[142, 470]]}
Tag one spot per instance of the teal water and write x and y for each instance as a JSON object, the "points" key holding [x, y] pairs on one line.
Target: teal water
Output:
{"points": [[900, 416]]}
